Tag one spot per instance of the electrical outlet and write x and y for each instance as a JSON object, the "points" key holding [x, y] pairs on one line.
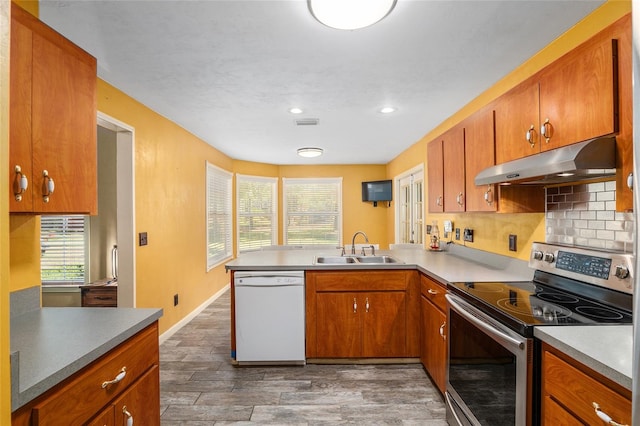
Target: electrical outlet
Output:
{"points": [[429, 229], [175, 300], [513, 242], [458, 234], [142, 239], [468, 235]]}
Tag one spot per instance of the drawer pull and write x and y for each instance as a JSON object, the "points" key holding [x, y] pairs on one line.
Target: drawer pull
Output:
{"points": [[444, 336], [432, 291], [128, 416], [605, 417], [118, 378]]}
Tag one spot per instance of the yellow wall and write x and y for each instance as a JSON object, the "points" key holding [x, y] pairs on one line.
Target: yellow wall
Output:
{"points": [[491, 230], [170, 169]]}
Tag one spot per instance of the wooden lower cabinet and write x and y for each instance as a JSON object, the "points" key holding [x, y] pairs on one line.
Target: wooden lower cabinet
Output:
{"points": [[95, 396], [570, 390], [362, 314], [99, 296], [433, 333]]}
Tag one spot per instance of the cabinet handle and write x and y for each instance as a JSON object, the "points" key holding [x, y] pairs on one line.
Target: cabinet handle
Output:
{"points": [[604, 417], [630, 181], [355, 306], [439, 200], [48, 186], [366, 304], [444, 336], [128, 415], [118, 378], [460, 199], [488, 195], [432, 291], [21, 183], [546, 130], [531, 136]]}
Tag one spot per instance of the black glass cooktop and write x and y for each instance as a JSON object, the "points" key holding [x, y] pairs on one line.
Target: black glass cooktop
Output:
{"points": [[523, 305]]}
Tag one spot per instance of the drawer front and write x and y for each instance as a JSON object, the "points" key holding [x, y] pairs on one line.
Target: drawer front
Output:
{"points": [[434, 292], [100, 297], [360, 280], [81, 397], [577, 391]]}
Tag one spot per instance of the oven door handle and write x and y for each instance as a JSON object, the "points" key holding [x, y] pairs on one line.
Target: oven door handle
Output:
{"points": [[483, 325]]}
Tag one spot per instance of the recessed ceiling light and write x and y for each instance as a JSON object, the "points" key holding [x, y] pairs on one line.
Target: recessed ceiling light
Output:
{"points": [[350, 14], [296, 110], [387, 110], [309, 152]]}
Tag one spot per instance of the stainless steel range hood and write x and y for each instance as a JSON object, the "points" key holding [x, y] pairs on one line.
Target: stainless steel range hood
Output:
{"points": [[592, 159]]}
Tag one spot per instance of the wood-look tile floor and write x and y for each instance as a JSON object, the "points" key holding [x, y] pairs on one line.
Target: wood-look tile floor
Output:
{"points": [[200, 386]]}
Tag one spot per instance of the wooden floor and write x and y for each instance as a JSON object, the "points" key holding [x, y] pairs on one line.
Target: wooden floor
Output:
{"points": [[200, 386]]}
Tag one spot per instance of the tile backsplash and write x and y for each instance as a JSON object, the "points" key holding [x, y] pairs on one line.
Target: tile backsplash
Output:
{"points": [[585, 215]]}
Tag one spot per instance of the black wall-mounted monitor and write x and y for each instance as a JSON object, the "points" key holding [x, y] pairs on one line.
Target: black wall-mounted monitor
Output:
{"points": [[379, 190]]}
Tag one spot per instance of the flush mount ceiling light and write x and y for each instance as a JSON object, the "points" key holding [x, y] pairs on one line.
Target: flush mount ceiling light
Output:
{"points": [[387, 110], [296, 110], [309, 152], [350, 14]]}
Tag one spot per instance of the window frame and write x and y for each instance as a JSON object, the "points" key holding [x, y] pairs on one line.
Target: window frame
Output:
{"points": [[86, 235], [218, 179], [273, 182], [286, 182]]}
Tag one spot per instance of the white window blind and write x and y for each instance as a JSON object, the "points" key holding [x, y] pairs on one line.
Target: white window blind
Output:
{"points": [[63, 242], [256, 205], [219, 215], [312, 211]]}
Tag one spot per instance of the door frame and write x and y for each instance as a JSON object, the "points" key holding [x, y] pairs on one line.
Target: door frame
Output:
{"points": [[125, 212]]}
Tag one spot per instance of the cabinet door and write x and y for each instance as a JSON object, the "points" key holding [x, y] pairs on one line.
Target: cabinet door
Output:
{"points": [[454, 174], [140, 404], [578, 95], [385, 324], [479, 153], [433, 344], [435, 174], [20, 113], [516, 113], [338, 324], [64, 132], [105, 418]]}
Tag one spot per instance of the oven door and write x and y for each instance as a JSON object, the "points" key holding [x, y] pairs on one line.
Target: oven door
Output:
{"points": [[489, 380]]}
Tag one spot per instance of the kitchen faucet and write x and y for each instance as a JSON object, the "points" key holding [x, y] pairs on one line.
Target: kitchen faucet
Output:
{"points": [[353, 241]]}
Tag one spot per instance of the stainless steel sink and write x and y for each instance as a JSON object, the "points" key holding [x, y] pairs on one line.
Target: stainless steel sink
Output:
{"points": [[351, 260], [377, 259], [334, 260]]}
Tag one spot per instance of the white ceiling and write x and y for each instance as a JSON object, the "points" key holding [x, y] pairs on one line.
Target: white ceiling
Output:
{"points": [[228, 71]]}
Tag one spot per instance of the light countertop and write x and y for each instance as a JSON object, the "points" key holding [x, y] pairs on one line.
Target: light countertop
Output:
{"points": [[50, 344]]}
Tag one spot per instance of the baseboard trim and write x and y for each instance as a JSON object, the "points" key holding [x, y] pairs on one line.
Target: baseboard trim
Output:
{"points": [[184, 321]]}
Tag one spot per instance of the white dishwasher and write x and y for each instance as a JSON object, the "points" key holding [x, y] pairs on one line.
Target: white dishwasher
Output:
{"points": [[270, 317]]}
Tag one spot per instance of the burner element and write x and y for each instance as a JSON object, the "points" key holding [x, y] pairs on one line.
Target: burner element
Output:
{"points": [[556, 297], [599, 312]]}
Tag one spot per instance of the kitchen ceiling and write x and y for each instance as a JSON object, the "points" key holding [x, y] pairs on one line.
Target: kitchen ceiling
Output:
{"points": [[229, 71]]}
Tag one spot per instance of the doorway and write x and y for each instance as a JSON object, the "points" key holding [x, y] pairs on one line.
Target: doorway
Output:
{"points": [[410, 206], [123, 136]]}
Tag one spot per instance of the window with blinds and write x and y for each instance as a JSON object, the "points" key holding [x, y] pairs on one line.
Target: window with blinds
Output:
{"points": [[219, 215], [63, 249], [312, 211], [257, 211]]}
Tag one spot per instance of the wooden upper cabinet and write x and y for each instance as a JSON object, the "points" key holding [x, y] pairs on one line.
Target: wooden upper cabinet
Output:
{"points": [[435, 175], [53, 117], [579, 95], [479, 154], [453, 155], [516, 116]]}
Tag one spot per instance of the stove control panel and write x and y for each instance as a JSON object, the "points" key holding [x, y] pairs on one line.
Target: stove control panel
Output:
{"points": [[603, 268]]}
